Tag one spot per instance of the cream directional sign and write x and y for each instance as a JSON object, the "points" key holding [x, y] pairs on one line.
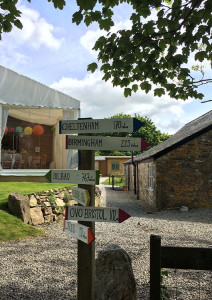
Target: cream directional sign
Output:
{"points": [[75, 160], [96, 214], [79, 231], [103, 143], [80, 195], [90, 177], [100, 125]]}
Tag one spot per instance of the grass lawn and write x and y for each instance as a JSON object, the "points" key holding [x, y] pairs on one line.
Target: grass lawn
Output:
{"points": [[11, 227], [118, 181]]}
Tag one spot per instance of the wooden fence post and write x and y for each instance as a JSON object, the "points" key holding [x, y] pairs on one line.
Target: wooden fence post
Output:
{"points": [[155, 267], [112, 181]]}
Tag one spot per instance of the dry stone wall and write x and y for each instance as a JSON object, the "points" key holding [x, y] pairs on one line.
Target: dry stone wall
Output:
{"points": [[45, 207], [49, 206]]}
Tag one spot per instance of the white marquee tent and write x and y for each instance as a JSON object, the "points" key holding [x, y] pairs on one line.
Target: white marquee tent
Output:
{"points": [[29, 100]]}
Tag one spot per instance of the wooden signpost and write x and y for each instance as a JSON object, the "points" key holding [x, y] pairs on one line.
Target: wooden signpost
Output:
{"points": [[86, 252], [90, 177], [79, 231], [127, 125], [96, 214], [103, 143], [86, 177], [80, 195]]}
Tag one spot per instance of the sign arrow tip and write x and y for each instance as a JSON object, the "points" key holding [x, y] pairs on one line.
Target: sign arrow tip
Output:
{"points": [[91, 237], [144, 144], [123, 215], [49, 176], [137, 124]]}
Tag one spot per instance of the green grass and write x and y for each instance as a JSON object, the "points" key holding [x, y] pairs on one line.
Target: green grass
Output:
{"points": [[118, 180], [12, 228]]}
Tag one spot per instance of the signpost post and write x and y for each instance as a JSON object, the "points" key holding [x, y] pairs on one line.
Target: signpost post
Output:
{"points": [[86, 177], [86, 252]]}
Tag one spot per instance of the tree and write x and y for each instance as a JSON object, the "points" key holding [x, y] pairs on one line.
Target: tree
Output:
{"points": [[154, 52], [149, 133]]}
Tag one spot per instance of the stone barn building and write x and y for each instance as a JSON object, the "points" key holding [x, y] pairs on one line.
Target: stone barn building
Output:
{"points": [[177, 172]]}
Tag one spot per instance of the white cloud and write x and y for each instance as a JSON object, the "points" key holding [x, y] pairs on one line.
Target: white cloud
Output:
{"points": [[36, 31], [99, 100], [36, 34], [91, 36]]}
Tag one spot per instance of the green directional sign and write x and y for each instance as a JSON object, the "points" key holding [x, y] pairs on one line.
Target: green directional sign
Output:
{"points": [[103, 143], [90, 177], [100, 125]]}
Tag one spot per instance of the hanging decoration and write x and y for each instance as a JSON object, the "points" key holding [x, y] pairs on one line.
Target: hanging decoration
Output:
{"points": [[28, 130], [53, 129], [38, 130], [18, 129], [6, 130], [12, 130]]}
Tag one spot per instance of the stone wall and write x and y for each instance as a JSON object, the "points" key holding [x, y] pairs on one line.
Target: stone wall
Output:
{"points": [[45, 207], [144, 192], [49, 206], [184, 175]]}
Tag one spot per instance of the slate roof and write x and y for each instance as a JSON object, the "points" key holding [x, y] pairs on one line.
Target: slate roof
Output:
{"points": [[189, 131], [100, 158]]}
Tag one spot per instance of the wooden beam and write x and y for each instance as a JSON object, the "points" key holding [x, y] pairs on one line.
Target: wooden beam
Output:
{"points": [[186, 258]]}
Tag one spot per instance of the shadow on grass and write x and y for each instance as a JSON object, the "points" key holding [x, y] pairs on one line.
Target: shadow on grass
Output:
{"points": [[4, 206]]}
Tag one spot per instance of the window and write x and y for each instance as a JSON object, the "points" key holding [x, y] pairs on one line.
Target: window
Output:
{"points": [[150, 177], [115, 165]]}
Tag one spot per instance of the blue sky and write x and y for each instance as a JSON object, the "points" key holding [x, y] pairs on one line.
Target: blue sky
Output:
{"points": [[52, 50]]}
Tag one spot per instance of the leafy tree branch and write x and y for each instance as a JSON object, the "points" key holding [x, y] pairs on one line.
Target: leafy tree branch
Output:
{"points": [[151, 55]]}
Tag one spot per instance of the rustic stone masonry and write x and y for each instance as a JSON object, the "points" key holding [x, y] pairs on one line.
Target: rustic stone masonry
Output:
{"points": [[184, 175], [49, 206], [181, 177], [45, 207]]}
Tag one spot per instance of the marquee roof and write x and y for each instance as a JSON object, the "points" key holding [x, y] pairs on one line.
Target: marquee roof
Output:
{"points": [[30, 100]]}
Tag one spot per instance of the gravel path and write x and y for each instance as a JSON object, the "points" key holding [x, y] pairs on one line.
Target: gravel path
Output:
{"points": [[45, 267]]}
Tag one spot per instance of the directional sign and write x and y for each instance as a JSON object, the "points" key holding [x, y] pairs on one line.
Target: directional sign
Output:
{"points": [[90, 177], [81, 232], [96, 214], [75, 160], [100, 125], [103, 143], [80, 195]]}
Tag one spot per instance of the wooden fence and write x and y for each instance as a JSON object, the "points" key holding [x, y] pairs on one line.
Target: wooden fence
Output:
{"points": [[174, 258]]}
